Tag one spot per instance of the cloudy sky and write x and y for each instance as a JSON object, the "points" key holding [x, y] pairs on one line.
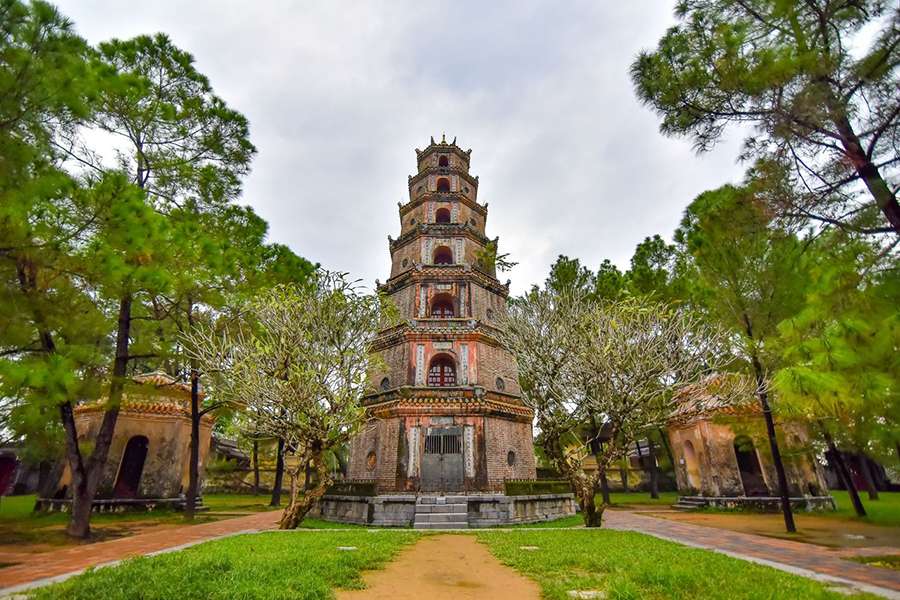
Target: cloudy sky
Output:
{"points": [[340, 93]]}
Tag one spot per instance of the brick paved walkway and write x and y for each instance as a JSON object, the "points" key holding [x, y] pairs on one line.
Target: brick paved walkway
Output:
{"points": [[810, 557], [77, 558]]}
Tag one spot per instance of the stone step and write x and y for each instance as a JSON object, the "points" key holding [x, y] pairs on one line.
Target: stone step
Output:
{"points": [[442, 508], [440, 526], [441, 518]]}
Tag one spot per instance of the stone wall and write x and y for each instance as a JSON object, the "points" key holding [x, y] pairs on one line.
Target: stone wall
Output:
{"points": [[484, 510], [503, 436]]}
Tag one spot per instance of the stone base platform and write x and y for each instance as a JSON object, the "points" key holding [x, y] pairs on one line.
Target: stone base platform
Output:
{"points": [[756, 503], [117, 505], [481, 510]]}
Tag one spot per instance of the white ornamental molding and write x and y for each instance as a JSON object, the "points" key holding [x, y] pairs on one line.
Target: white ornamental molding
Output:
{"points": [[420, 364], [469, 450], [431, 212], [426, 251], [454, 213], [423, 300], [464, 363], [412, 443], [458, 254], [463, 300]]}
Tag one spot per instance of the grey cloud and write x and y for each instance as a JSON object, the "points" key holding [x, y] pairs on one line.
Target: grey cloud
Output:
{"points": [[339, 93]]}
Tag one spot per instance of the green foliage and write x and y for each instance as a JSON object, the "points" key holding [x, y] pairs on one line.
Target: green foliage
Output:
{"points": [[842, 366], [259, 566], [826, 114], [490, 261]]}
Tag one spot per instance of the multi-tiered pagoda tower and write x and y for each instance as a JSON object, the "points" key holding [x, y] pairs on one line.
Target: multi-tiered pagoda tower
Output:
{"points": [[446, 414]]}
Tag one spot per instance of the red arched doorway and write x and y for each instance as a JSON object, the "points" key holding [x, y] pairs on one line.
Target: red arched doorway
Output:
{"points": [[442, 215], [130, 469], [443, 184], [442, 371], [443, 256]]}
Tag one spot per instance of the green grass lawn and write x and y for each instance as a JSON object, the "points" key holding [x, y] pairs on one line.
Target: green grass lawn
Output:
{"points": [[884, 511], [225, 503], [643, 498], [630, 565], [270, 566]]}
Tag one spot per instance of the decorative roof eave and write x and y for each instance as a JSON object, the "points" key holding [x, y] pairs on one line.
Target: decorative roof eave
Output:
{"points": [[144, 407], [437, 229], [424, 173], [475, 331], [462, 400], [481, 209], [443, 146], [419, 273]]}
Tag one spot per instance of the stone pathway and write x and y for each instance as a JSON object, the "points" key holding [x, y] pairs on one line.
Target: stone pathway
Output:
{"points": [[445, 567], [59, 563], [797, 555]]}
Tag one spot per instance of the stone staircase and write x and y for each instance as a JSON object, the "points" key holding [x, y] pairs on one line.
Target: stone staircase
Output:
{"points": [[441, 512], [689, 503]]}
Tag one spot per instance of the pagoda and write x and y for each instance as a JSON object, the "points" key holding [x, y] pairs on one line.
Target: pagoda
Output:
{"points": [[445, 410]]}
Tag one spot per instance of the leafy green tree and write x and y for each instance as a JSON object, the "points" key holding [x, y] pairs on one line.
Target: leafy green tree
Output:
{"points": [[186, 150], [568, 274], [828, 113], [753, 279], [841, 365]]}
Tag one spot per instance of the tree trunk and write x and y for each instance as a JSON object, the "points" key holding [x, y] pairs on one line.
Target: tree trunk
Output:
{"points": [[604, 488], [302, 503], [867, 170], [623, 473], [590, 512], [255, 458], [654, 472], [773, 446], [866, 472], [844, 472], [190, 504], [665, 442], [86, 475], [279, 475]]}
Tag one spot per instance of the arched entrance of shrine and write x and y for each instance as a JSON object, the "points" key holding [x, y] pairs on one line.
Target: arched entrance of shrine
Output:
{"points": [[748, 465], [131, 468]]}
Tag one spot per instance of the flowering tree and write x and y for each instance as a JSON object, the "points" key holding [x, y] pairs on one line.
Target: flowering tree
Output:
{"points": [[297, 366], [600, 374]]}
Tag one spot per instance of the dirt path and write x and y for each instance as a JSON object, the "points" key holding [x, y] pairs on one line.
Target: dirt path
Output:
{"points": [[445, 567]]}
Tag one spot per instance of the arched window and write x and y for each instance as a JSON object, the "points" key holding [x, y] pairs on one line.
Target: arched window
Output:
{"points": [[443, 256], [442, 215], [443, 161], [443, 184], [442, 371], [131, 468], [442, 307]]}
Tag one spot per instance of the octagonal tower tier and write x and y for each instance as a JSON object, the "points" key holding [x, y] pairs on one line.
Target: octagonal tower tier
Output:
{"points": [[446, 414]]}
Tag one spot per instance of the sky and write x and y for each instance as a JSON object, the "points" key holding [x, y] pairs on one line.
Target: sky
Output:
{"points": [[339, 94]]}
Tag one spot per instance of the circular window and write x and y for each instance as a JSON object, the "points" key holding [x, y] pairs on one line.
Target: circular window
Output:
{"points": [[385, 384], [405, 262], [501, 385], [412, 221], [466, 190], [511, 458], [371, 461], [473, 222], [420, 188], [490, 314]]}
